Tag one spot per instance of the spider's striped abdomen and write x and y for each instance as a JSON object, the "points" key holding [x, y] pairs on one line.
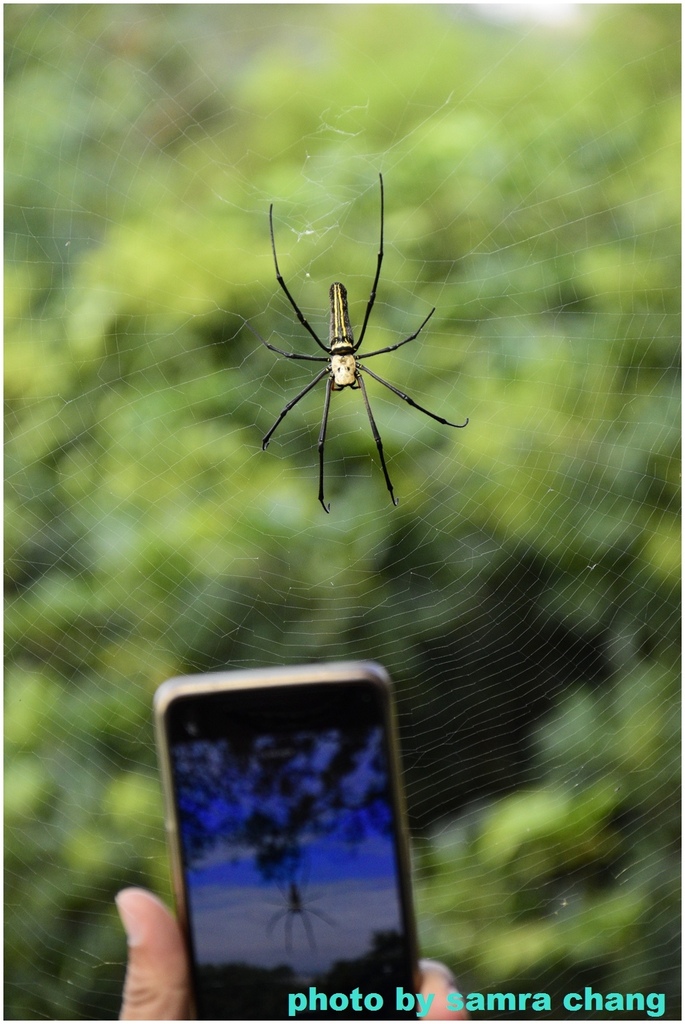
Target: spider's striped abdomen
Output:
{"points": [[340, 338]]}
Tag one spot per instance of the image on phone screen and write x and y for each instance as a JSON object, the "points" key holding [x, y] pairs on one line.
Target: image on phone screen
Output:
{"points": [[288, 841]]}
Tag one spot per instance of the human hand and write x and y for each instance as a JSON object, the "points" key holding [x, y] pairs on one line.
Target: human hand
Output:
{"points": [[157, 985]]}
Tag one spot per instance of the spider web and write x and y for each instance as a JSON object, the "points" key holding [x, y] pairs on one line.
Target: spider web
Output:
{"points": [[523, 593]]}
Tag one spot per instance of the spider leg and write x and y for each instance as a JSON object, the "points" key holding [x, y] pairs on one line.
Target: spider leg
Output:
{"points": [[291, 403], [282, 352], [275, 919], [410, 401], [289, 932], [374, 286], [376, 435], [324, 917], [279, 277], [322, 440], [391, 348], [309, 930]]}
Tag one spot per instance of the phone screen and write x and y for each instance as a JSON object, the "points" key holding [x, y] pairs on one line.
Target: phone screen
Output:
{"points": [[287, 824]]}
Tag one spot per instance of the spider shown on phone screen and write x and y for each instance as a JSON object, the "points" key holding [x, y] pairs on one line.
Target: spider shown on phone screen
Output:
{"points": [[297, 907], [343, 369]]}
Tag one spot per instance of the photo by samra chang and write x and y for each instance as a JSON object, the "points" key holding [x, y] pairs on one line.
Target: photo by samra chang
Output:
{"points": [[651, 1004]]}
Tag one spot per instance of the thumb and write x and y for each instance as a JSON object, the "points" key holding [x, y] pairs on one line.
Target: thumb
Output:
{"points": [[438, 981], [156, 986]]}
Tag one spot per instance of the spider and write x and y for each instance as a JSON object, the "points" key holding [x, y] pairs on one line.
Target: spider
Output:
{"points": [[296, 905], [343, 369]]}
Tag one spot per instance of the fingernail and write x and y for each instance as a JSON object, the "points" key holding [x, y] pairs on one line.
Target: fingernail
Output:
{"points": [[129, 920], [439, 968]]}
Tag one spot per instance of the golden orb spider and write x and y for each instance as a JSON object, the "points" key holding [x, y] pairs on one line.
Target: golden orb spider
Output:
{"points": [[343, 368], [297, 906]]}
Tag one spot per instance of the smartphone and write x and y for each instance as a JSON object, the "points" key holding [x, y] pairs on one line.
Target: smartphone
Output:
{"points": [[288, 839]]}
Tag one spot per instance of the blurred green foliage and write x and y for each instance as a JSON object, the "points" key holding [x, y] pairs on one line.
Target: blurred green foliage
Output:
{"points": [[523, 595]]}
